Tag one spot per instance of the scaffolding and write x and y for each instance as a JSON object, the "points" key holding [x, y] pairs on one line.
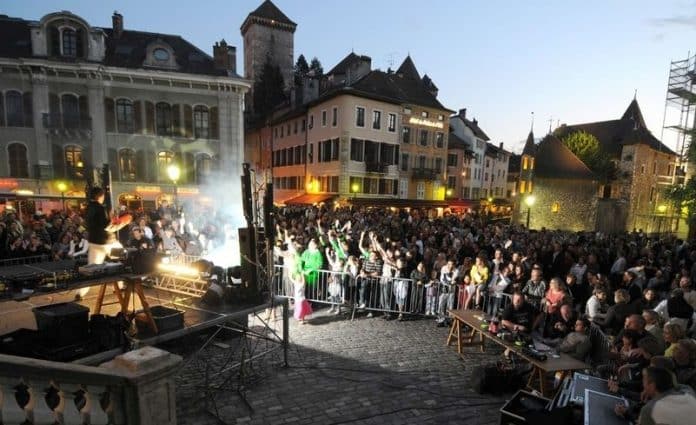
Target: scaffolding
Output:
{"points": [[680, 110]]}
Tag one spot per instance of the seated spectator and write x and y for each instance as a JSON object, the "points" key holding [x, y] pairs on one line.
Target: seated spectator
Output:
{"points": [[672, 333], [559, 324], [555, 296], [689, 294], [519, 316], [617, 314], [684, 356], [78, 245], [577, 343], [535, 288], [60, 249], [667, 405], [649, 301], [653, 324], [647, 343], [37, 247], [596, 305], [576, 291], [138, 241]]}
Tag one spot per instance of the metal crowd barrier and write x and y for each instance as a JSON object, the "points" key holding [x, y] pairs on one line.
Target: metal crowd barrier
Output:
{"points": [[25, 260], [388, 295]]}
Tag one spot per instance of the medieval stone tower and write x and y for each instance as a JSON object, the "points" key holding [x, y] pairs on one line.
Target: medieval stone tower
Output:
{"points": [[267, 32]]}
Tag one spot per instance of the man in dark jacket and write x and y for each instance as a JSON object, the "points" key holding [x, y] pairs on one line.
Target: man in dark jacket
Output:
{"points": [[97, 220]]}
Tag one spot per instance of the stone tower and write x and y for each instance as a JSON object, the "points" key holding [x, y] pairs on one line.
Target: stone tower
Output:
{"points": [[267, 32]]}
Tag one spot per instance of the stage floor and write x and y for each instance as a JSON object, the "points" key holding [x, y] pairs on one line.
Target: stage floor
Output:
{"points": [[197, 316]]}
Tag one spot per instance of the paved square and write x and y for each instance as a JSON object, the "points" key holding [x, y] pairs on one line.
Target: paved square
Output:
{"points": [[366, 371]]}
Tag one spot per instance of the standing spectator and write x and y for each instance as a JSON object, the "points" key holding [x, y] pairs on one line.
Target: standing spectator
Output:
{"points": [[479, 278], [448, 278]]}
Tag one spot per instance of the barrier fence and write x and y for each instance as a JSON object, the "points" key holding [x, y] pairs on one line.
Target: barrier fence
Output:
{"points": [[389, 295]]}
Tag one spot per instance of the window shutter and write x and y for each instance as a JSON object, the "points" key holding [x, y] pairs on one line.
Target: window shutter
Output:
{"points": [[140, 166], [176, 121], [2, 109], [189, 168], [109, 114], [115, 165], [58, 161], [151, 166], [79, 43], [149, 118], [55, 42], [28, 109], [188, 121], [84, 112], [214, 126], [138, 117]]}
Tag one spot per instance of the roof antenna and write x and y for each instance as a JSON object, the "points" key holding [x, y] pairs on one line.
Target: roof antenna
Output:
{"points": [[550, 124], [531, 130], [635, 94]]}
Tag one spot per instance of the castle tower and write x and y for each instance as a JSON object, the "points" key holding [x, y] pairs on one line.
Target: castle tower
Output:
{"points": [[527, 160], [268, 33]]}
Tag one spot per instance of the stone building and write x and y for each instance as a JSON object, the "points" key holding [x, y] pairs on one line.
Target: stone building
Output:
{"points": [[563, 188], [644, 167], [74, 97], [268, 34]]}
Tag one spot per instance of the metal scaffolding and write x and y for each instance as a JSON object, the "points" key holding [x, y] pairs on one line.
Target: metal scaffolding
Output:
{"points": [[680, 109]]}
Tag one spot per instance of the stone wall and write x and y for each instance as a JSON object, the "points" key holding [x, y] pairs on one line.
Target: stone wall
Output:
{"points": [[577, 203]]}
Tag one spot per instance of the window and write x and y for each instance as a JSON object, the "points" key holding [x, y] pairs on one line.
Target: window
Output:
{"points": [[452, 160], [642, 169], [294, 130], [360, 116], [74, 163], [200, 122], [357, 147], [488, 163], [124, 116], [424, 137], [323, 118], [420, 190], [451, 182], [282, 131], [164, 158], [15, 109], [356, 185], [71, 111], [376, 120], [522, 186], [304, 125], [310, 154], [163, 118], [421, 161], [334, 117], [406, 134], [440, 140], [424, 114], [486, 176], [160, 54], [334, 149], [404, 162], [311, 121], [204, 168], [127, 164], [465, 192], [438, 165], [69, 42], [19, 164], [531, 164], [392, 123], [440, 117]]}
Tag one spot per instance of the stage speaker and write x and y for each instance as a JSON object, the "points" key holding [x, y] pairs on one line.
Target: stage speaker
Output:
{"points": [[247, 200], [268, 213], [247, 249]]}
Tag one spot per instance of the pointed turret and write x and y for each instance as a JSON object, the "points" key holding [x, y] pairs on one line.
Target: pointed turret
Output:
{"points": [[408, 69]]}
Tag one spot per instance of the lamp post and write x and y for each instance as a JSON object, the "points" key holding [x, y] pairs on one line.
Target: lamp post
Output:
{"points": [[174, 172], [529, 200], [62, 188]]}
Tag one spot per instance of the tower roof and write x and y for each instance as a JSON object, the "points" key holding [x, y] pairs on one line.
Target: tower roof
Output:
{"points": [[529, 146], [345, 64], [408, 69], [268, 14], [554, 160], [633, 113]]}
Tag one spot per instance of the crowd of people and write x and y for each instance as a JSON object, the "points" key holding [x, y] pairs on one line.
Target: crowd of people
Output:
{"points": [[555, 285]]}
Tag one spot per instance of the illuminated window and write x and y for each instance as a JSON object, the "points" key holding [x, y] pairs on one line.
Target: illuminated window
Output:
{"points": [[74, 163], [522, 186], [529, 187], [525, 163], [127, 164], [164, 158], [531, 165], [555, 207]]}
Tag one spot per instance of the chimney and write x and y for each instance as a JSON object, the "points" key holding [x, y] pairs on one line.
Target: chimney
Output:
{"points": [[462, 113], [501, 146], [475, 121], [117, 24], [225, 57]]}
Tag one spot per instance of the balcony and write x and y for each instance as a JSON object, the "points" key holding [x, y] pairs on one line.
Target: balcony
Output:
{"points": [[66, 122], [376, 167], [424, 173]]}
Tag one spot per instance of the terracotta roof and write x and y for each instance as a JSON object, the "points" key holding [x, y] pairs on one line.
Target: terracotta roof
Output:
{"points": [[408, 69], [554, 160], [614, 134], [270, 13]]}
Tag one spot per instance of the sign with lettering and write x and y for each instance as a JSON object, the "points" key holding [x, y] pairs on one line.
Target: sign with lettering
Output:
{"points": [[426, 123]]}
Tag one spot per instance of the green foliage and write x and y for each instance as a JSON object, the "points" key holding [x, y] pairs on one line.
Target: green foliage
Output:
{"points": [[683, 198], [301, 70], [269, 90], [587, 148], [316, 68]]}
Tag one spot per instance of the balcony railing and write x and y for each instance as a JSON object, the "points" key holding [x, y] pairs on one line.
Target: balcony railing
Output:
{"points": [[66, 122], [424, 173], [376, 167]]}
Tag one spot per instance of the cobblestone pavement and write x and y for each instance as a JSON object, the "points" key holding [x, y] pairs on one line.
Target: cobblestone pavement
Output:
{"points": [[366, 371]]}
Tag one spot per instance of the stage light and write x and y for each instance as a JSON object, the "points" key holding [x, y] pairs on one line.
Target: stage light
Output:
{"points": [[178, 270]]}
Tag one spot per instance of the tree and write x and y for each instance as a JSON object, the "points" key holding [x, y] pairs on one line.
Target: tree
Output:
{"points": [[316, 68], [587, 148], [301, 70], [269, 90], [683, 199]]}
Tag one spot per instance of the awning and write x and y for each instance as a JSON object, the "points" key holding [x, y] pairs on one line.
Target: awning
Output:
{"points": [[397, 203], [310, 199]]}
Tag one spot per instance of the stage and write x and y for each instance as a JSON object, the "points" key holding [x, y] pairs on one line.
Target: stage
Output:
{"points": [[16, 313]]}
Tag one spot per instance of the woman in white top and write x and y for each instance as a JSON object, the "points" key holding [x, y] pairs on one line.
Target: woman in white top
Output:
{"points": [[78, 245]]}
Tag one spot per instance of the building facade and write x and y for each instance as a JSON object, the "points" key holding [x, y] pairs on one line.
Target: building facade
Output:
{"points": [[74, 97]]}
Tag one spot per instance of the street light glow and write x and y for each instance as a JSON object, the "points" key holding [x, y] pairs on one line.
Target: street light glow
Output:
{"points": [[173, 172], [529, 200], [662, 208], [62, 187], [355, 187]]}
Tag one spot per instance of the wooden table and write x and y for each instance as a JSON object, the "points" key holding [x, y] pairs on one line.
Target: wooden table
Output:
{"points": [[133, 284], [473, 318]]}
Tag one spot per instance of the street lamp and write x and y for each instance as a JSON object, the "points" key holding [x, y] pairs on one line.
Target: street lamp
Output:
{"points": [[529, 200], [174, 172], [62, 188], [449, 192]]}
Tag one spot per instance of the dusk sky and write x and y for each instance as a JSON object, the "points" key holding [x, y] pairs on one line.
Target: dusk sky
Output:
{"points": [[570, 61]]}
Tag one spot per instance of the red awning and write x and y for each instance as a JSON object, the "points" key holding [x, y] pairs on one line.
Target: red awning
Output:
{"points": [[310, 199]]}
